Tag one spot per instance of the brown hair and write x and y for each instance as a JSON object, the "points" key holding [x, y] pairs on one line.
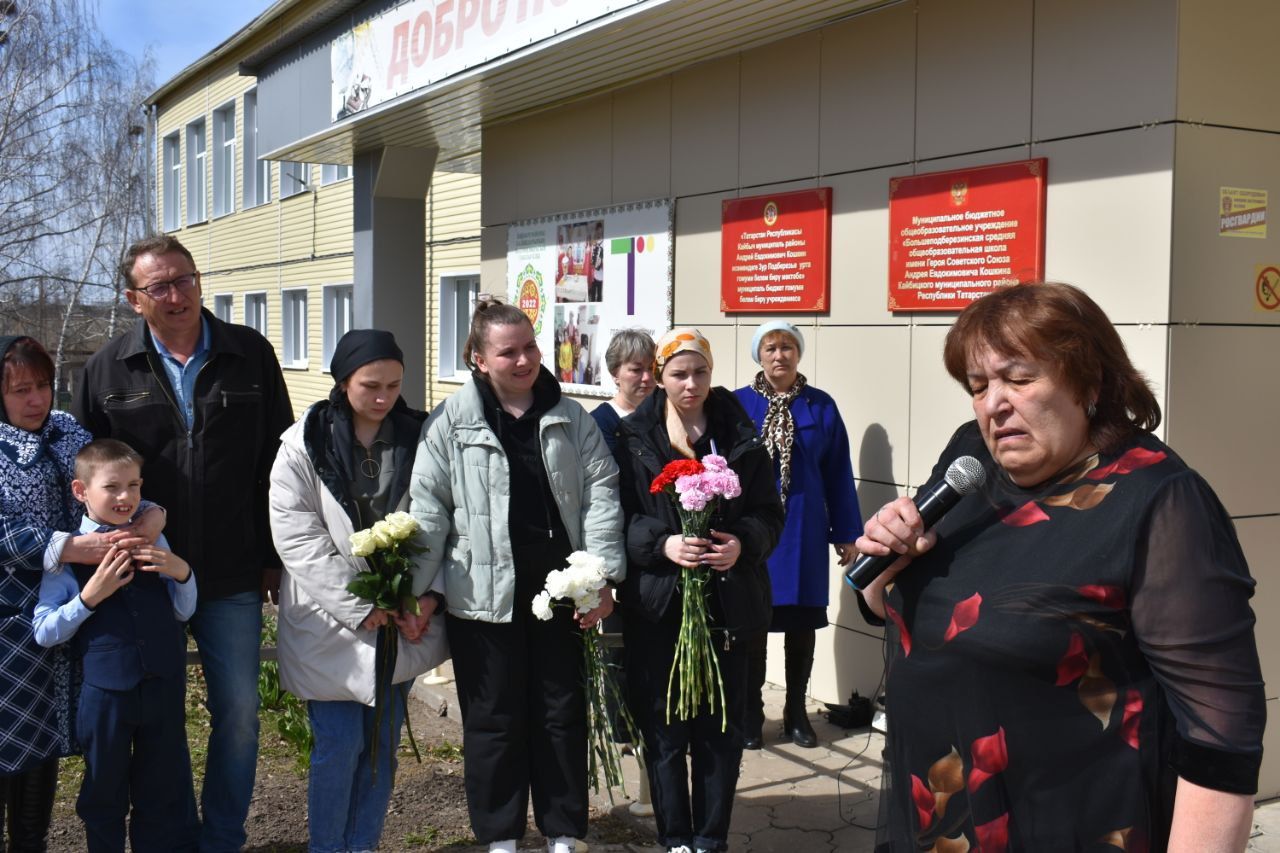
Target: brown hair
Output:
{"points": [[27, 354], [104, 451], [490, 311], [157, 244], [1061, 326]]}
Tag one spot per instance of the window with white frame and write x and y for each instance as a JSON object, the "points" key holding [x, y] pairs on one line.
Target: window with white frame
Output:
{"points": [[337, 315], [457, 302], [331, 173], [172, 182], [222, 307], [257, 173], [293, 316], [196, 173], [255, 311], [294, 178], [224, 160]]}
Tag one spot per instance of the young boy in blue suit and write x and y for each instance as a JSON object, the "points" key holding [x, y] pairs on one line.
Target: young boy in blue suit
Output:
{"points": [[125, 620]]}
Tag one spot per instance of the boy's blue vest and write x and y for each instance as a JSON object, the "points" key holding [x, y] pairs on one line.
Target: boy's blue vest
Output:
{"points": [[131, 635]]}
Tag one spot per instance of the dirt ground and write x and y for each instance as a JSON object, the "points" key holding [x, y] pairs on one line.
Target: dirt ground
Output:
{"points": [[428, 808]]}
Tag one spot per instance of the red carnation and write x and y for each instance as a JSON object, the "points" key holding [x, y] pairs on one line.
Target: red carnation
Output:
{"points": [[672, 472]]}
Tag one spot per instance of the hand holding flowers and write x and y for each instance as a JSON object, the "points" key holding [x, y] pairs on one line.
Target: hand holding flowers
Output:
{"points": [[583, 583], [697, 487], [388, 547]]}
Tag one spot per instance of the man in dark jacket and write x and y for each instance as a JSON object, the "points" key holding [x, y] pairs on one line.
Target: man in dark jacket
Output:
{"points": [[204, 402]]}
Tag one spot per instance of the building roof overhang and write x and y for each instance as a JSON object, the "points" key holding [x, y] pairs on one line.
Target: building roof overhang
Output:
{"points": [[617, 49]]}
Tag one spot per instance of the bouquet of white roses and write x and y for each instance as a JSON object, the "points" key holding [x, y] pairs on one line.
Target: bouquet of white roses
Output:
{"points": [[580, 582], [387, 546]]}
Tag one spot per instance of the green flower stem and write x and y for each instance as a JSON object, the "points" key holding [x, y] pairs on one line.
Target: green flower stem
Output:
{"points": [[695, 671], [602, 688], [389, 587]]}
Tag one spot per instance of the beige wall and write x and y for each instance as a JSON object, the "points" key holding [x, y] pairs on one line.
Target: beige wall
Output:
{"points": [[1102, 89], [304, 241]]}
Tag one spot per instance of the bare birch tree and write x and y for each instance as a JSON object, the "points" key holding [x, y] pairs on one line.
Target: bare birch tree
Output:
{"points": [[72, 170]]}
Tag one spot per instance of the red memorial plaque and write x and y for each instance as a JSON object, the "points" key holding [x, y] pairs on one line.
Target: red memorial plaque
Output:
{"points": [[956, 236], [775, 252]]}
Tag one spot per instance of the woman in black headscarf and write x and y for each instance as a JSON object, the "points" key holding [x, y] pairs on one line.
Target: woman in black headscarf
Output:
{"points": [[344, 466], [38, 448]]}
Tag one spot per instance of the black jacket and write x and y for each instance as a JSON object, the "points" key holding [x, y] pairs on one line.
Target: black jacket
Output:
{"points": [[755, 516], [213, 480]]}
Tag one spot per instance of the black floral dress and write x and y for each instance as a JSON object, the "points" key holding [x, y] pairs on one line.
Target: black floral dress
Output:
{"points": [[1063, 654]]}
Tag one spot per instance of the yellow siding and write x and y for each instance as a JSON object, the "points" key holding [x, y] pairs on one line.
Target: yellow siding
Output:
{"points": [[453, 247], [304, 240]]}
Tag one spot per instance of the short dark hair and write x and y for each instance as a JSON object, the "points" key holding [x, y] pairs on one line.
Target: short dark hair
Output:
{"points": [[1059, 325], [104, 451], [490, 311], [156, 244], [26, 353]]}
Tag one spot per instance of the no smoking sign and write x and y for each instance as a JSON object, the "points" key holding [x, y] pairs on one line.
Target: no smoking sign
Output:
{"points": [[1266, 288]]}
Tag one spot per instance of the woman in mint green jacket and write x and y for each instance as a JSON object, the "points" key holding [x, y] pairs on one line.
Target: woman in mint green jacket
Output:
{"points": [[510, 478]]}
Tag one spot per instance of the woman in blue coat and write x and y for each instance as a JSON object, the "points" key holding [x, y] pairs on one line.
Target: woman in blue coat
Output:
{"points": [[805, 435]]}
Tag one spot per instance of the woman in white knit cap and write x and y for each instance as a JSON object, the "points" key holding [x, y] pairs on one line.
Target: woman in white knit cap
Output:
{"points": [[805, 435]]}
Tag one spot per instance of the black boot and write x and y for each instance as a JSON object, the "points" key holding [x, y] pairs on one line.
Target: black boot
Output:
{"points": [[757, 652], [30, 807], [795, 717]]}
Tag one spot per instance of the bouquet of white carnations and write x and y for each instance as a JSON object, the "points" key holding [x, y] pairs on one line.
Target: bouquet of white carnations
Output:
{"points": [[387, 546], [580, 582]]}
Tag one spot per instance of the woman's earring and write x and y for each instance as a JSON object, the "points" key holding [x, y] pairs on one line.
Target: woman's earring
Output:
{"points": [[1091, 411]]}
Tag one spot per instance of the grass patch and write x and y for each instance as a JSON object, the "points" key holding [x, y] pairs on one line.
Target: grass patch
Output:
{"points": [[445, 750]]}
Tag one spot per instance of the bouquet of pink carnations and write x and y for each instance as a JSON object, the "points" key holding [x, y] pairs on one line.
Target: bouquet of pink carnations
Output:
{"points": [[697, 489]]}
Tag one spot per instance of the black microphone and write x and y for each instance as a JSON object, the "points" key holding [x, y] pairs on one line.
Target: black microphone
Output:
{"points": [[962, 477]]}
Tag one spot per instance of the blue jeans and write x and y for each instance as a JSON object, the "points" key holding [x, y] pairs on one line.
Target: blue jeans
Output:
{"points": [[228, 634], [346, 802]]}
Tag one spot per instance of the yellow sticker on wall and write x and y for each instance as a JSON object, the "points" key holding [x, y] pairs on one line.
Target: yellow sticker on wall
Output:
{"points": [[1242, 212]]}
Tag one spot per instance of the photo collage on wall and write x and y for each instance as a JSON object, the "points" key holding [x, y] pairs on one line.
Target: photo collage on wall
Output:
{"points": [[580, 251], [583, 276]]}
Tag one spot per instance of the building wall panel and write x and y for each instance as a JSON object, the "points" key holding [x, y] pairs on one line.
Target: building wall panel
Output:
{"points": [[778, 104], [868, 91], [1227, 74], [1110, 205], [1100, 65], [1223, 403], [973, 83]]}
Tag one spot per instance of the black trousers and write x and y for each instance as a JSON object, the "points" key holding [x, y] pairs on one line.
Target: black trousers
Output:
{"points": [[26, 800], [691, 804], [524, 722]]}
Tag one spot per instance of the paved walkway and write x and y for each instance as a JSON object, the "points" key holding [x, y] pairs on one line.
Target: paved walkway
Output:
{"points": [[793, 800]]}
